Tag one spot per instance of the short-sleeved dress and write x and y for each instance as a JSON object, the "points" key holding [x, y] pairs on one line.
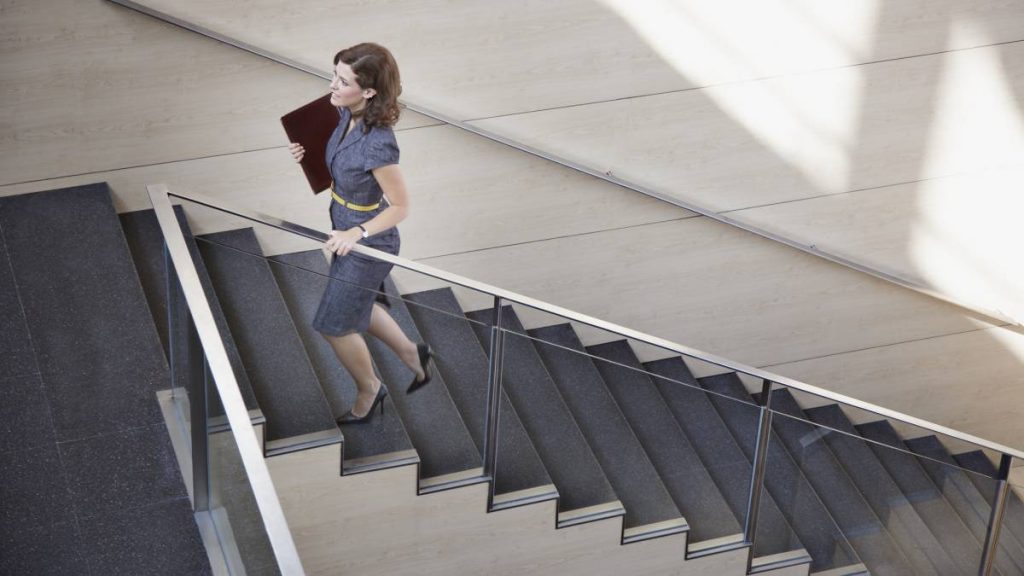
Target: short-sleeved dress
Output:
{"points": [[356, 279]]}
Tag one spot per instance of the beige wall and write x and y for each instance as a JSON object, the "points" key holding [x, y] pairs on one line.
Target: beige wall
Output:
{"points": [[103, 93]]}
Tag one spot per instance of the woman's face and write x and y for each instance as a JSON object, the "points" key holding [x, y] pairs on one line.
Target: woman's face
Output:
{"points": [[344, 89]]}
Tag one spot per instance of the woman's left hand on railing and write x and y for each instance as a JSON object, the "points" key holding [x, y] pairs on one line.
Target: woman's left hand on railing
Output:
{"points": [[342, 241]]}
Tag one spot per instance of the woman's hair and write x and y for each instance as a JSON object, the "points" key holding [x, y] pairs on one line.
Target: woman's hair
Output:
{"points": [[375, 67]]}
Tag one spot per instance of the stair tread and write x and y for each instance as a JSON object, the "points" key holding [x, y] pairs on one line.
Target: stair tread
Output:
{"points": [[16, 356], [918, 488], [562, 447], [886, 548], [977, 461], [783, 479], [463, 363], [430, 416], [678, 465], [623, 459], [301, 277], [282, 378], [147, 246], [877, 485], [964, 497], [720, 453], [94, 340]]}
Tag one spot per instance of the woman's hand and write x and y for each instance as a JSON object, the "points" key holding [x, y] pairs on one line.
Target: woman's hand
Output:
{"points": [[342, 241], [297, 151]]}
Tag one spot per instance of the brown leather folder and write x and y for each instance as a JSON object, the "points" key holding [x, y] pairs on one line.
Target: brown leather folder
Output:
{"points": [[311, 125]]}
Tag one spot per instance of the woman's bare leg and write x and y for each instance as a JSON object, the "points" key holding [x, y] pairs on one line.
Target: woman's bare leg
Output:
{"points": [[355, 356], [384, 328]]}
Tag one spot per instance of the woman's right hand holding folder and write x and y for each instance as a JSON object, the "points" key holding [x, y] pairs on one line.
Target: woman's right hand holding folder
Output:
{"points": [[297, 151]]}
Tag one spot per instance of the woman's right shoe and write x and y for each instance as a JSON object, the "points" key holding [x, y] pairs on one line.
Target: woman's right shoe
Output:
{"points": [[350, 418], [426, 357]]}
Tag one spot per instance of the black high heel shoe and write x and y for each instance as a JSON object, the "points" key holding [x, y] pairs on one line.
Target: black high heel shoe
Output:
{"points": [[350, 418], [426, 359]]}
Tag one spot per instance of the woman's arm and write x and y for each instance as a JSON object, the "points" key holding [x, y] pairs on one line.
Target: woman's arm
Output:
{"points": [[393, 185]]}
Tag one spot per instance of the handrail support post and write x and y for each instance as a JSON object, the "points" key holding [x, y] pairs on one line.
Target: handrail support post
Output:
{"points": [[757, 472], [495, 364], [995, 520]]}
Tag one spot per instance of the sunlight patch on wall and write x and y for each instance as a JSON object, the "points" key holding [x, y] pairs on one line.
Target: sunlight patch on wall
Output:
{"points": [[811, 124], [967, 237]]}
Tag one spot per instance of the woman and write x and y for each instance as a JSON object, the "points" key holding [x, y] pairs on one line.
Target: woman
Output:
{"points": [[362, 155]]}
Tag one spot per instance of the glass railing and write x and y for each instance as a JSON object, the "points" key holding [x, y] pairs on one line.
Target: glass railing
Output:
{"points": [[236, 507], [794, 472]]}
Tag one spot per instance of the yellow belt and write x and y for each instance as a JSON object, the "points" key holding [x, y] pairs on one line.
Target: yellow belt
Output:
{"points": [[350, 205]]}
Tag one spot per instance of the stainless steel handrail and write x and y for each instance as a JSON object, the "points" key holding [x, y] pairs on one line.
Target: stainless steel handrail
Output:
{"points": [[994, 314], [663, 343], [224, 378]]}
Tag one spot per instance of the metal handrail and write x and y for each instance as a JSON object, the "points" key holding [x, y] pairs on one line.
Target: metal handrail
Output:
{"points": [[574, 316], [227, 386], [995, 314]]}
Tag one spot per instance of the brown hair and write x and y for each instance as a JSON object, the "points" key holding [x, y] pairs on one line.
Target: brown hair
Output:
{"points": [[375, 67]]}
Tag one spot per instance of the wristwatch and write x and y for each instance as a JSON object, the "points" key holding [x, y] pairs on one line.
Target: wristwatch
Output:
{"points": [[366, 233]]}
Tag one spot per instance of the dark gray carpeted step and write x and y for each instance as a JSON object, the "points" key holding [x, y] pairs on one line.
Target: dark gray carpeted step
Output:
{"points": [[463, 363], [963, 496], [279, 369], [783, 479], [881, 491], [87, 317], [877, 547], [679, 466], [147, 247], [915, 484], [16, 358], [302, 279], [617, 448], [718, 450], [562, 447], [983, 480], [430, 416]]}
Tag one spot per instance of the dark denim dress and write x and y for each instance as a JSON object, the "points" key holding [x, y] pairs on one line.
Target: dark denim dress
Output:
{"points": [[356, 279]]}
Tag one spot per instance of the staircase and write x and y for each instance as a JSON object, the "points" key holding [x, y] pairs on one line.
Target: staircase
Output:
{"points": [[606, 464]]}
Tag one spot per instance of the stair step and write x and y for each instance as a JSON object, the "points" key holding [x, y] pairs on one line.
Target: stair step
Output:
{"points": [[463, 363], [876, 546], [783, 479], [918, 488], [279, 369], [146, 242], [978, 462], [16, 356], [668, 448], [383, 441], [721, 455], [881, 491], [584, 491], [89, 324], [623, 459], [430, 416], [964, 497]]}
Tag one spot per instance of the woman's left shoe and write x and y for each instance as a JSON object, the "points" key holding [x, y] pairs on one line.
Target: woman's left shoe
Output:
{"points": [[426, 359], [350, 418]]}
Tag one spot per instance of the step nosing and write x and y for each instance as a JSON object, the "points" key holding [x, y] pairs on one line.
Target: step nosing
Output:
{"points": [[452, 480], [781, 560], [524, 497], [655, 530], [303, 442], [715, 546], [380, 462], [590, 514], [851, 570]]}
